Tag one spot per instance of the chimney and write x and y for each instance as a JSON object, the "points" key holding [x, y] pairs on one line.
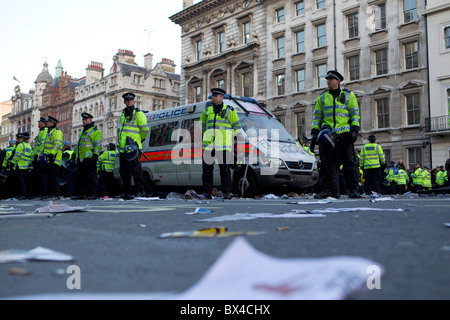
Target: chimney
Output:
{"points": [[168, 65], [148, 61], [94, 72], [187, 3], [126, 56]]}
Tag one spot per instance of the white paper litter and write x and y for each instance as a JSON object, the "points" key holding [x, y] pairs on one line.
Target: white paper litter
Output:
{"points": [[199, 211], [59, 208], [243, 273], [251, 216], [325, 201], [38, 253]]}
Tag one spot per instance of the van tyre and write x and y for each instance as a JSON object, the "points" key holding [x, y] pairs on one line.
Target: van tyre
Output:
{"points": [[148, 184], [249, 182]]}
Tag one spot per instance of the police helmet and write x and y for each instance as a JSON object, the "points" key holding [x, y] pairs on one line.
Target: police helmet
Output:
{"points": [[327, 138], [131, 152]]}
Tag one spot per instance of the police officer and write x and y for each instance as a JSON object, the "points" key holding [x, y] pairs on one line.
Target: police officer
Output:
{"points": [[39, 175], [133, 131], [6, 170], [53, 153], [337, 112], [417, 177], [220, 123], [87, 151], [67, 173], [20, 163], [372, 162], [106, 163]]}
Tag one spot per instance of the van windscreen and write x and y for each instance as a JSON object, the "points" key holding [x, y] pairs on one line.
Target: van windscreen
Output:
{"points": [[257, 126]]}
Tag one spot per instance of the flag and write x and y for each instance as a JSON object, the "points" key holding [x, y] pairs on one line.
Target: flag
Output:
{"points": [[15, 79]]}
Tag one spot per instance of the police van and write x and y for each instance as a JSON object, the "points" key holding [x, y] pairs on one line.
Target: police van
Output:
{"points": [[266, 155]]}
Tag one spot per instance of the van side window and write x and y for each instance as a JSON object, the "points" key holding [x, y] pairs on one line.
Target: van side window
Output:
{"points": [[161, 134], [189, 124]]}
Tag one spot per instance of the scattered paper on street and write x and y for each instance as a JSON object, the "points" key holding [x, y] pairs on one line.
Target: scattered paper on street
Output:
{"points": [[208, 233], [251, 216], [199, 211], [381, 199], [325, 201], [243, 273], [38, 253], [59, 208]]}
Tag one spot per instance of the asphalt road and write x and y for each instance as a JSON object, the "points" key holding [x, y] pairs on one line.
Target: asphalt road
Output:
{"points": [[116, 244]]}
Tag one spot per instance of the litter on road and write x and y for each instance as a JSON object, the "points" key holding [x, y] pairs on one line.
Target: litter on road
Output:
{"points": [[208, 233], [36, 254]]}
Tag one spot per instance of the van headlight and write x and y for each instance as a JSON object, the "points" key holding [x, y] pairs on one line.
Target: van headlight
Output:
{"points": [[273, 162]]}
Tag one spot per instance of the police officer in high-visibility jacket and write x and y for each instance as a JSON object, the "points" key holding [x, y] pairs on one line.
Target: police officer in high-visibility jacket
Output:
{"points": [[220, 124], [337, 111], [38, 173], [6, 170], [402, 180], [132, 133], [417, 177], [21, 162], [53, 154], [106, 163], [441, 178], [372, 161], [87, 151]]}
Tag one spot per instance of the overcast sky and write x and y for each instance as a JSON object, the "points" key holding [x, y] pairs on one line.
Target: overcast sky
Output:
{"points": [[81, 31]]}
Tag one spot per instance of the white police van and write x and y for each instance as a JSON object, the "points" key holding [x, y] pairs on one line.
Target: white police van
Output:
{"points": [[268, 156]]}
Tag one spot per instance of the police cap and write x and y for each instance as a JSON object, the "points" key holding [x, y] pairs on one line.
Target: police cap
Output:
{"points": [[372, 137], [218, 91], [42, 119], [333, 74], [52, 119], [23, 135], [129, 96], [86, 115]]}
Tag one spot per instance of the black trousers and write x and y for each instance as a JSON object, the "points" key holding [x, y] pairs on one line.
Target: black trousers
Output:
{"points": [[225, 160], [87, 180], [331, 159], [372, 181], [130, 169], [52, 177]]}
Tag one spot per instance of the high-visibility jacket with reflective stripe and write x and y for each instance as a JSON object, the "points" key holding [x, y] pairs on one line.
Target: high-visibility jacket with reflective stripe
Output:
{"points": [[218, 131], [335, 112], [402, 178], [8, 154], [135, 127], [372, 156], [426, 179], [417, 177], [106, 161], [53, 144], [441, 177], [39, 142], [23, 156], [89, 143]]}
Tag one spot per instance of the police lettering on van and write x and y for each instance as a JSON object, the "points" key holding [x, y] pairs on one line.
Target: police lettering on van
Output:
{"points": [[266, 154]]}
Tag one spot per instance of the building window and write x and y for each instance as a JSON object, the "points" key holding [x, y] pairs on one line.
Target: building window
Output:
{"points": [[353, 28], [411, 55], [447, 37], [197, 94], [321, 72], [414, 155], [383, 113], [220, 84], [247, 84], [321, 35], [320, 4], [299, 8], [280, 15], [409, 10], [246, 32], [300, 80], [413, 109], [300, 41], [301, 123], [379, 12], [137, 79], [280, 47], [381, 62], [220, 41], [280, 81], [198, 50], [353, 68]]}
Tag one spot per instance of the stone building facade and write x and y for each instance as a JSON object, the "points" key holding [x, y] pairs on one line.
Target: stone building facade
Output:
{"points": [[378, 45], [438, 125], [155, 87]]}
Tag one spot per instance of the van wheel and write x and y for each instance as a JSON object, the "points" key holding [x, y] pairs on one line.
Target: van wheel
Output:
{"points": [[148, 184], [249, 183]]}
